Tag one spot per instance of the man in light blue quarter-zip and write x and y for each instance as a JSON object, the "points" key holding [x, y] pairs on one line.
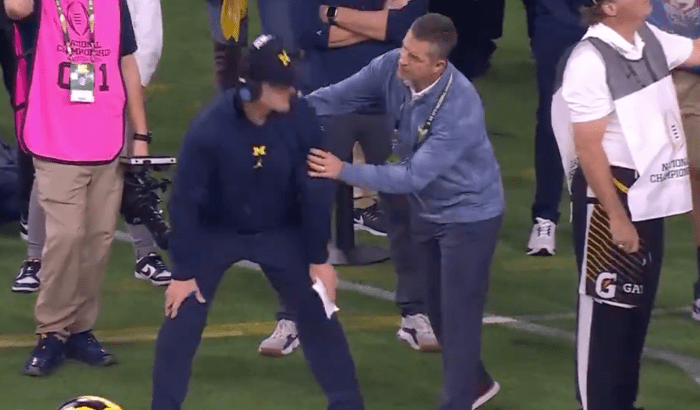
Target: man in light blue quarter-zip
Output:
{"points": [[448, 168]]}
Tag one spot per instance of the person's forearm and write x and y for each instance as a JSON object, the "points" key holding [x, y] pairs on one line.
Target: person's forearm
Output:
{"points": [[596, 169], [18, 9], [136, 110], [340, 37], [371, 24]]}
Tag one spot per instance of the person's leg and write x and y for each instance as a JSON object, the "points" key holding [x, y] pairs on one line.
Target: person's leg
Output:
{"points": [[179, 338], [101, 212], [25, 183], [149, 264], [466, 251], [27, 279], [375, 134], [652, 233], [62, 192], [548, 45], [613, 311], [281, 257], [688, 89]]}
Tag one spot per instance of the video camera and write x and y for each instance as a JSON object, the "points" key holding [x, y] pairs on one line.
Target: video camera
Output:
{"points": [[140, 198]]}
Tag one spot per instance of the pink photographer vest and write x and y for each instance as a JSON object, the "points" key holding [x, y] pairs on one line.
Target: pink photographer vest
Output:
{"points": [[54, 128]]}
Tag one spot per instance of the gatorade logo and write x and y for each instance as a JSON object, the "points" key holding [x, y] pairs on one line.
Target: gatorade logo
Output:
{"points": [[605, 285]]}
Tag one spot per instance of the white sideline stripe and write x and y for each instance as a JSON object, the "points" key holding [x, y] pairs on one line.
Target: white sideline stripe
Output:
{"points": [[690, 365]]}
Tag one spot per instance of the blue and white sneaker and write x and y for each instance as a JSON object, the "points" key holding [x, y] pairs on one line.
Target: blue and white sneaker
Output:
{"points": [[696, 310], [151, 267], [282, 341], [27, 280]]}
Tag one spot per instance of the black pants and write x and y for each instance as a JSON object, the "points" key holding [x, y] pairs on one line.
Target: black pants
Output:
{"points": [[456, 259], [610, 339], [279, 254]]}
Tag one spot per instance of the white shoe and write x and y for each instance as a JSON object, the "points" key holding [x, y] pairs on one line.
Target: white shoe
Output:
{"points": [[282, 341], [542, 238], [696, 310], [418, 333]]}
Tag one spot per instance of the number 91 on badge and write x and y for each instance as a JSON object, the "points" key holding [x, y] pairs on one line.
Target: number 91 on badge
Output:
{"points": [[82, 82]]}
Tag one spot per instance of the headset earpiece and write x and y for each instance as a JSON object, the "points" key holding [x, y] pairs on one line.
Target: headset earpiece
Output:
{"points": [[249, 90]]}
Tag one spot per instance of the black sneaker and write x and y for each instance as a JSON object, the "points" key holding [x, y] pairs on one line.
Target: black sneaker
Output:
{"points": [[48, 354], [152, 267], [27, 280], [487, 389], [370, 219], [84, 347]]}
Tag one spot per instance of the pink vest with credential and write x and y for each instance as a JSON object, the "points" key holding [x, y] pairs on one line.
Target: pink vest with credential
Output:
{"points": [[56, 129]]}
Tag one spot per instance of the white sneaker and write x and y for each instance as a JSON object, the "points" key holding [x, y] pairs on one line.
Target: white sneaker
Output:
{"points": [[542, 238], [696, 310], [282, 341], [418, 333]]}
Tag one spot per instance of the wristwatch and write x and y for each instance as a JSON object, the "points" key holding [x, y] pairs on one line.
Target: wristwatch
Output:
{"points": [[331, 14], [143, 137]]}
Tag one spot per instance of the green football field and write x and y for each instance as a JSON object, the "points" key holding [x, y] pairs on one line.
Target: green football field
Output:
{"points": [[530, 299]]}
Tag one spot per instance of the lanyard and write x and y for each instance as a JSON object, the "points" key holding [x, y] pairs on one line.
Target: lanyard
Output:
{"points": [[423, 131], [64, 28]]}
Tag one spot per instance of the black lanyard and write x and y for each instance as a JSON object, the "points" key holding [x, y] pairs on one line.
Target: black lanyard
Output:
{"points": [[64, 28], [425, 128]]}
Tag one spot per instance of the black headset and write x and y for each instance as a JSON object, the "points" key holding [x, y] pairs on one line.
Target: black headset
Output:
{"points": [[248, 89]]}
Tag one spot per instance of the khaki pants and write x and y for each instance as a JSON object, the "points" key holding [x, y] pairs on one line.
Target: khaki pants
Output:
{"points": [[688, 90], [81, 205]]}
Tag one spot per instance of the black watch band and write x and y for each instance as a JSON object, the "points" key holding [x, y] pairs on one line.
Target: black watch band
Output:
{"points": [[331, 14], [143, 137]]}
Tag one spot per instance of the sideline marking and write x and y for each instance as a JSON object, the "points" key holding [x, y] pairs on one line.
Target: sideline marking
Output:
{"points": [[215, 331]]}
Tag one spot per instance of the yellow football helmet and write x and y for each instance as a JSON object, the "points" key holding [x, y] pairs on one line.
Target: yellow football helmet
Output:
{"points": [[89, 403]]}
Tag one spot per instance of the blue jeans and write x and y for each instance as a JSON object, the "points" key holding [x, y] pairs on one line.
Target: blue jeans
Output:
{"points": [[456, 259]]}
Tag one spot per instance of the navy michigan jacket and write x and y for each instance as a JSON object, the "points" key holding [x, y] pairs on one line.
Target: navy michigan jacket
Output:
{"points": [[237, 178]]}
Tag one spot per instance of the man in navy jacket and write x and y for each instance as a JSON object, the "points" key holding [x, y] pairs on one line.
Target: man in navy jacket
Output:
{"points": [[242, 192]]}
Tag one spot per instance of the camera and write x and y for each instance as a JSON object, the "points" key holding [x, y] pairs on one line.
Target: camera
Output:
{"points": [[140, 198]]}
